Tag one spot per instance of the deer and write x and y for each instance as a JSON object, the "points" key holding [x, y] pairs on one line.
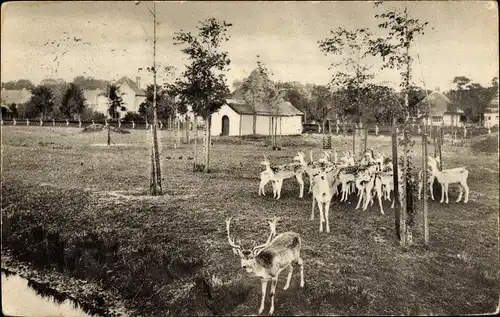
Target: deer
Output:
{"points": [[450, 176], [430, 181], [266, 176], [279, 174], [322, 195], [268, 260], [311, 167]]}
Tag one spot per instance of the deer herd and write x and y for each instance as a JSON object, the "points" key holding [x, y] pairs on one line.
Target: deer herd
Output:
{"points": [[370, 177]]}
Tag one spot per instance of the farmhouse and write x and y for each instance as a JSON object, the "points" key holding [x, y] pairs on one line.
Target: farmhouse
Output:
{"points": [[490, 114], [235, 118], [442, 111], [133, 96]]}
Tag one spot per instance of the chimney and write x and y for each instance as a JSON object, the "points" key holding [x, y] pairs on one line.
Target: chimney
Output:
{"points": [[138, 81], [436, 89]]}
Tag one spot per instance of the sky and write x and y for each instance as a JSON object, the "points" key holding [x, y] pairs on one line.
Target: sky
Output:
{"points": [[108, 40]]}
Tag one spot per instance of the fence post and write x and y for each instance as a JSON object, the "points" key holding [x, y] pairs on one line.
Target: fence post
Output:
{"points": [[425, 185]]}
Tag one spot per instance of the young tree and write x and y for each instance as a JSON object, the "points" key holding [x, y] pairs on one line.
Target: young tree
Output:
{"points": [[352, 71], [116, 104], [203, 85], [41, 100], [254, 89], [73, 102], [395, 52]]}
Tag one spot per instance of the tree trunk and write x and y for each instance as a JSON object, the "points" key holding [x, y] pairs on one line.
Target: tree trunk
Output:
{"points": [[276, 131], [188, 125], [109, 134], [395, 178], [195, 127], [254, 127], [208, 138]]}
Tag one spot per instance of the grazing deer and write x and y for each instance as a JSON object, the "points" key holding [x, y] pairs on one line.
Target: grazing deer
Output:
{"points": [[450, 176], [266, 261], [282, 172]]}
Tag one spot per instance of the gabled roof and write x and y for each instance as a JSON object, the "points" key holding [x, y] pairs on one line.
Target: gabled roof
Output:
{"points": [[138, 91], [438, 104], [284, 109], [15, 96]]}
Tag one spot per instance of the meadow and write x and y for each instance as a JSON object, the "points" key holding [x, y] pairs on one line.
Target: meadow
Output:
{"points": [[72, 205]]}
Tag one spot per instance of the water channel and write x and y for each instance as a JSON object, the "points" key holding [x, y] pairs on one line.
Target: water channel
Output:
{"points": [[21, 297]]}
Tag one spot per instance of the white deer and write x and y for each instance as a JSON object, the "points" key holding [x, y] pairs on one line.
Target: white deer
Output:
{"points": [[450, 176], [282, 172], [266, 176], [322, 195], [268, 260]]}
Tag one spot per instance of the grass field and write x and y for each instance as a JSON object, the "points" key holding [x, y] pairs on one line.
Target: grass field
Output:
{"points": [[169, 255]]}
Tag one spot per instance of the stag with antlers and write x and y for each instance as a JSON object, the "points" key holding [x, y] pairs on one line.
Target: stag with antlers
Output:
{"points": [[266, 261]]}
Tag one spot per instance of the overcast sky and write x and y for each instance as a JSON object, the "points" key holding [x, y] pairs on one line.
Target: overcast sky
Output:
{"points": [[463, 41]]}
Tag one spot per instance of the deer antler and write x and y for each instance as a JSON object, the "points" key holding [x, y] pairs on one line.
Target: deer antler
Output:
{"points": [[231, 241], [272, 225]]}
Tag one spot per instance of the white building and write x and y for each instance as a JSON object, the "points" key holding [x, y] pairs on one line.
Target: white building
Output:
{"points": [[441, 110], [133, 96], [235, 118], [490, 114]]}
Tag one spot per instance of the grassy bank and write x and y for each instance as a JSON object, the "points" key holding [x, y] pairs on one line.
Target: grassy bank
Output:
{"points": [[80, 209]]}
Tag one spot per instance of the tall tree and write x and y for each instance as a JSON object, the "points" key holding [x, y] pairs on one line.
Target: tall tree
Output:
{"points": [[41, 99], [394, 48], [116, 104], [164, 104], [321, 104], [203, 84], [352, 71], [73, 102], [254, 89]]}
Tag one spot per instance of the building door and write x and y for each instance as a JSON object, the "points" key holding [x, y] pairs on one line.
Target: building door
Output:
{"points": [[225, 125]]}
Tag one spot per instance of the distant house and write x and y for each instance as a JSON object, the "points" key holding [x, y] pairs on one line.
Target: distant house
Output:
{"points": [[133, 96], [236, 118], [95, 99], [490, 114], [442, 111]]}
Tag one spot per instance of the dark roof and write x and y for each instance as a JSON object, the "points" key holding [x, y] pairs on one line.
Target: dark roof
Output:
{"points": [[284, 109], [138, 91], [438, 104], [15, 96]]}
